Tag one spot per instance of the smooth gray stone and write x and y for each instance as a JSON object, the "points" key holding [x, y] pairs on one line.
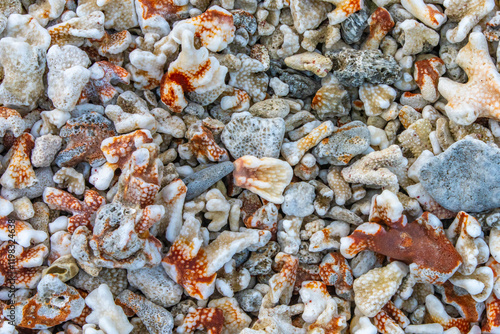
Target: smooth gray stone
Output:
{"points": [[200, 181], [466, 177]]}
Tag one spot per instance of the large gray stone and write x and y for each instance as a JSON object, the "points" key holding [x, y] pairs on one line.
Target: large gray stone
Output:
{"points": [[465, 177]]}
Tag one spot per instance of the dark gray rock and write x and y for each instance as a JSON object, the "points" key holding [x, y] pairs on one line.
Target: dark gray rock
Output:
{"points": [[261, 260], [354, 67], [300, 86], [345, 143], [249, 300], [465, 177], [200, 181], [353, 26]]}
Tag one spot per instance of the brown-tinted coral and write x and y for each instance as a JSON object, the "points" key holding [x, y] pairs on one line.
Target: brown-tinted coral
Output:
{"points": [[83, 136], [19, 172], [422, 236]]}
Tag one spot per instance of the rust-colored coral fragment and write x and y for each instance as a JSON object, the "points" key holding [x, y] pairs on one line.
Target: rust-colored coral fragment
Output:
{"points": [[209, 319], [334, 270], [380, 23], [82, 211], [19, 172], [427, 74], [203, 146], [25, 268], [492, 323], [421, 243]]}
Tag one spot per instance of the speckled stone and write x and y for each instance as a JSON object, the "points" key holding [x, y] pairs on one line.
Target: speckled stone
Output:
{"points": [[249, 300], [345, 143], [299, 85], [354, 25], [261, 260], [200, 181], [466, 177], [270, 108], [299, 199], [354, 67]]}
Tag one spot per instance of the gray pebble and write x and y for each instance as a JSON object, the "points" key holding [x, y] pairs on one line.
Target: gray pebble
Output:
{"points": [[200, 181], [466, 177], [249, 300], [299, 198], [261, 260]]}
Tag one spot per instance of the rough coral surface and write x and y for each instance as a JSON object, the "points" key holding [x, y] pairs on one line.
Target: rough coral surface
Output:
{"points": [[249, 166]]}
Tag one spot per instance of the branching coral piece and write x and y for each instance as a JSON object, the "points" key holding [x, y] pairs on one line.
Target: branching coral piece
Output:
{"points": [[75, 30], [421, 238], [26, 267], [467, 15], [24, 233], [294, 151], [72, 180], [416, 37], [335, 270], [267, 177], [439, 315], [425, 13], [193, 71], [82, 210], [202, 145], [427, 74], [479, 97], [195, 266], [19, 173], [380, 168]]}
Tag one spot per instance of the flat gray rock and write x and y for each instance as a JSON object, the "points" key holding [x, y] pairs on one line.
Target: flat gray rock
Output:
{"points": [[466, 177]]}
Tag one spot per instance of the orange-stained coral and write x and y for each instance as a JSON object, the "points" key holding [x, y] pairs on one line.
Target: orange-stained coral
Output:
{"points": [[118, 151], [235, 319], [492, 323], [438, 314], [19, 173], [468, 308], [140, 179], [422, 243], [380, 23], [386, 324], [195, 266], [282, 283], [84, 135], [427, 74], [343, 9], [111, 44], [256, 215], [267, 177], [335, 270], [99, 88], [210, 320], [54, 303], [203, 146], [163, 8], [193, 71], [25, 267], [11, 120], [215, 28], [83, 211]]}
